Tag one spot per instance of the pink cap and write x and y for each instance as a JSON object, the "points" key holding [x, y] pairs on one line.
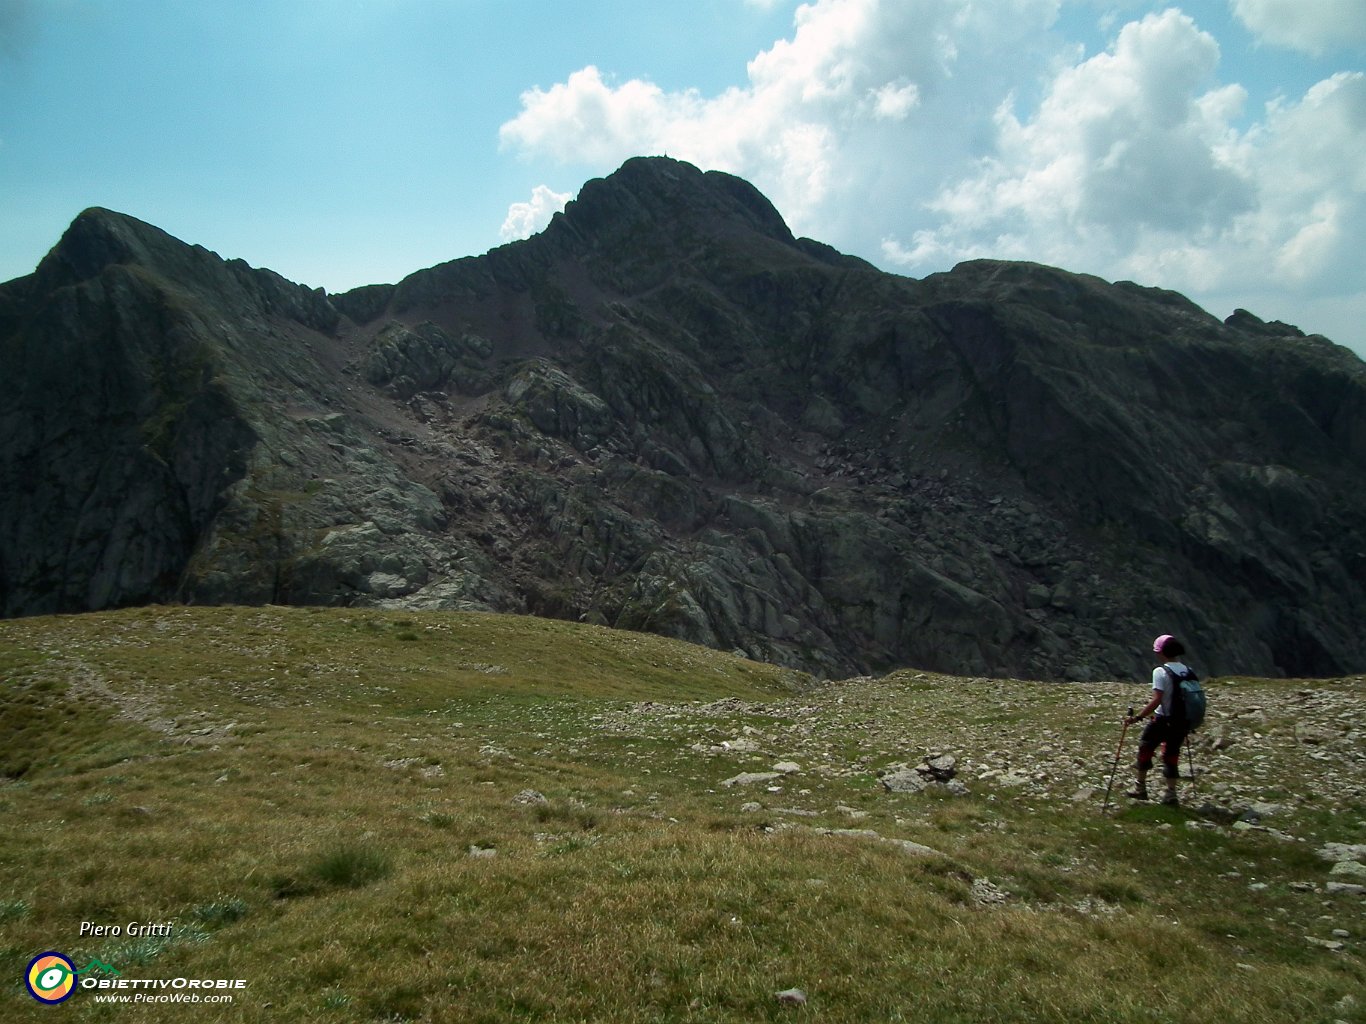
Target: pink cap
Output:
{"points": [[1161, 642]]}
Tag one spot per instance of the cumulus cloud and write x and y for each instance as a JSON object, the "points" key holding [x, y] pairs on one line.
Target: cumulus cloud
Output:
{"points": [[1311, 26], [1132, 167], [1308, 159], [1123, 145], [922, 132], [525, 219], [859, 86]]}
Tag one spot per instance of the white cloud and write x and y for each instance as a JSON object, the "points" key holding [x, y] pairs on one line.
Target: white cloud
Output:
{"points": [[1309, 159], [1123, 145], [525, 219], [859, 86], [922, 132], [586, 120], [893, 102], [1311, 26], [1132, 167]]}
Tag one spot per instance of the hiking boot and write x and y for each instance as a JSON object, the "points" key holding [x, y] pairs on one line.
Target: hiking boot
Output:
{"points": [[1170, 798], [1140, 790]]}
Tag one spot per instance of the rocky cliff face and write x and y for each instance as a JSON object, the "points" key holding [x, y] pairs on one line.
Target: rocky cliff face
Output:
{"points": [[666, 413]]}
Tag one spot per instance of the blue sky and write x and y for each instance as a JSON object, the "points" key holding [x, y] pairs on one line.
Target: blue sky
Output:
{"points": [[1215, 147]]}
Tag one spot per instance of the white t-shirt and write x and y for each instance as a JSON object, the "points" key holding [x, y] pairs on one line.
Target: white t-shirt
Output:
{"points": [[1162, 681]]}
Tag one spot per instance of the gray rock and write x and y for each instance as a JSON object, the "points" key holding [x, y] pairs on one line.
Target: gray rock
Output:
{"points": [[1336, 852], [913, 849], [1351, 870], [741, 745], [986, 893], [1332, 945], [940, 768], [1258, 810], [906, 846], [1314, 735], [750, 778], [905, 780]]}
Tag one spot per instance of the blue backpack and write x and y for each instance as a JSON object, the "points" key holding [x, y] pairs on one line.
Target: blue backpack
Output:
{"points": [[1188, 699]]}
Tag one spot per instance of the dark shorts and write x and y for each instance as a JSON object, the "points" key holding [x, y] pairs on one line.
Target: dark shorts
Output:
{"points": [[1169, 736]]}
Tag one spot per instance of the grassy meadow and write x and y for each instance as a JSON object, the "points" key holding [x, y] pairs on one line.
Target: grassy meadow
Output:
{"points": [[398, 816]]}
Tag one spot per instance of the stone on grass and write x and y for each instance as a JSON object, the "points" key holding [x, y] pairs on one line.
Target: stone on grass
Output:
{"points": [[903, 780], [1332, 945], [940, 768], [985, 893], [1352, 870], [741, 745], [750, 778], [1343, 851]]}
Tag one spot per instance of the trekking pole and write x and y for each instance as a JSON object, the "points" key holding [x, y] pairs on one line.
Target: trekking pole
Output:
{"points": [[1190, 756], [1115, 767]]}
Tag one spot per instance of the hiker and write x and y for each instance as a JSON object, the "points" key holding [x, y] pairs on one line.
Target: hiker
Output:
{"points": [[1165, 730]]}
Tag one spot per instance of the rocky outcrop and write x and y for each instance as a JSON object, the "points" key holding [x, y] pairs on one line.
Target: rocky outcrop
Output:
{"points": [[119, 436], [666, 413]]}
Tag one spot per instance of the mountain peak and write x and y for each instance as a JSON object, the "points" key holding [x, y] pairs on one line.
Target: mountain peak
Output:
{"points": [[97, 238], [660, 192], [100, 238]]}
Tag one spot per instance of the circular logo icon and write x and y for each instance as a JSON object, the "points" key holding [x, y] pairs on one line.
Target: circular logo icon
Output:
{"points": [[51, 977]]}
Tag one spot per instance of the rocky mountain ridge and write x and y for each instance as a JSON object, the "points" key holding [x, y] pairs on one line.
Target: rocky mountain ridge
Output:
{"points": [[667, 413]]}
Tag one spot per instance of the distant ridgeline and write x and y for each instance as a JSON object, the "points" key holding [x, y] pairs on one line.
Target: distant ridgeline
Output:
{"points": [[666, 413]]}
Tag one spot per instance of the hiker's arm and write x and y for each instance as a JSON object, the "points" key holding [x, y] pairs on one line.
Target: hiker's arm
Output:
{"points": [[1149, 708]]}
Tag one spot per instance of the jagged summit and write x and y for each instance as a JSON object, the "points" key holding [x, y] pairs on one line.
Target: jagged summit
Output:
{"points": [[659, 200], [659, 194], [626, 233], [665, 413], [99, 238]]}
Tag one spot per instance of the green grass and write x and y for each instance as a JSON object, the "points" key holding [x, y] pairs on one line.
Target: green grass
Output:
{"points": [[303, 793], [221, 911], [347, 866]]}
